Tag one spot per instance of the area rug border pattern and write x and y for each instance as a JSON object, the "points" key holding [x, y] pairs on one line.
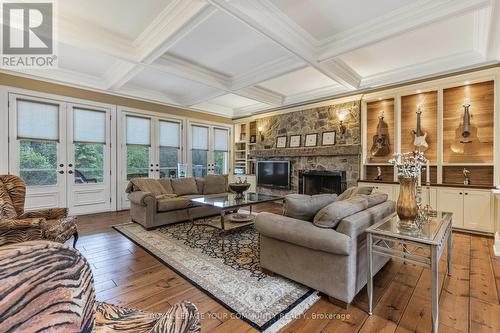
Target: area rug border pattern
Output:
{"points": [[264, 327]]}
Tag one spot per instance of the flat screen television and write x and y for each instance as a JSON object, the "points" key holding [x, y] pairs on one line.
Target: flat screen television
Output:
{"points": [[273, 174]]}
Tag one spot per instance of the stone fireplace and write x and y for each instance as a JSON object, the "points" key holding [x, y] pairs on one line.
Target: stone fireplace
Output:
{"points": [[321, 181]]}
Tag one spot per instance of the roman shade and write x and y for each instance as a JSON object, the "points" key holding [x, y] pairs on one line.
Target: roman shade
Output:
{"points": [[138, 131], [89, 126], [199, 137], [169, 134], [37, 120], [221, 139]]}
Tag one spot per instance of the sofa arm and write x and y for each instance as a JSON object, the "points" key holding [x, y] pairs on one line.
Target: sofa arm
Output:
{"points": [[20, 224], [302, 233], [142, 198]]}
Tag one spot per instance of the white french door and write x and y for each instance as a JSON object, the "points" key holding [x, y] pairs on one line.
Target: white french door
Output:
{"points": [[152, 148], [63, 153]]}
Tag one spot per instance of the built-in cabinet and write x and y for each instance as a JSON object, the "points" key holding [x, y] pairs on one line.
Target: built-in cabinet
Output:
{"points": [[472, 208]]}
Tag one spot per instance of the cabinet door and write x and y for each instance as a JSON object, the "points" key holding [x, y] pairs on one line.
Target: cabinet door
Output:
{"points": [[477, 211], [451, 200]]}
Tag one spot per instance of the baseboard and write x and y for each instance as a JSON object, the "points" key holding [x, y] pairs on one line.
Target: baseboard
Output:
{"points": [[496, 245]]}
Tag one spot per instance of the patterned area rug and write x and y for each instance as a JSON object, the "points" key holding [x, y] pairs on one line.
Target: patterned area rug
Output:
{"points": [[232, 276]]}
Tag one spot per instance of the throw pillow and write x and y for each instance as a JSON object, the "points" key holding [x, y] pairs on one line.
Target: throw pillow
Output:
{"points": [[184, 186], [149, 185], [304, 207], [331, 215], [167, 185], [7, 209], [215, 184], [351, 191], [374, 198]]}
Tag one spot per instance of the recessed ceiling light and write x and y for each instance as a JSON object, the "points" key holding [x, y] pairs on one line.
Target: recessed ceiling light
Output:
{"points": [[419, 91], [467, 82], [380, 98]]}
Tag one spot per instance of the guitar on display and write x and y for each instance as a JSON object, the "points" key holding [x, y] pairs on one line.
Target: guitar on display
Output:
{"points": [[381, 146], [420, 141], [466, 139]]}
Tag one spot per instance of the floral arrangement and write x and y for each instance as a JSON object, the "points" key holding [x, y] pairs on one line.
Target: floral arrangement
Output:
{"points": [[408, 164]]}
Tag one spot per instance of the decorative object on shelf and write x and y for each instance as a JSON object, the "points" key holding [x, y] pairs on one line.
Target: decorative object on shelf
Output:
{"points": [[466, 174], [342, 114], [182, 170], [328, 138], [381, 145], [253, 138], [260, 129], [466, 139], [379, 173], [281, 142], [420, 137], [239, 187], [295, 141], [311, 140], [408, 166], [243, 136]]}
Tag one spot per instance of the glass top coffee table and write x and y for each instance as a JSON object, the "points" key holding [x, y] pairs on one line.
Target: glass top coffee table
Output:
{"points": [[423, 247], [229, 204]]}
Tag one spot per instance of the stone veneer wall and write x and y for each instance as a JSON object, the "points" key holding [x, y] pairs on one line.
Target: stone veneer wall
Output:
{"points": [[315, 120]]}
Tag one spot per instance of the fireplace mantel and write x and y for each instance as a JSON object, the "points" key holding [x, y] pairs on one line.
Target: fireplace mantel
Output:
{"points": [[337, 150]]}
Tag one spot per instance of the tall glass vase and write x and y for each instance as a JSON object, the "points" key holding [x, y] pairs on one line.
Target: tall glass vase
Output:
{"points": [[407, 204]]}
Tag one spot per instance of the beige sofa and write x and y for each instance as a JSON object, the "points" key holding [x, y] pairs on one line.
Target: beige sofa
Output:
{"points": [[331, 260], [157, 202]]}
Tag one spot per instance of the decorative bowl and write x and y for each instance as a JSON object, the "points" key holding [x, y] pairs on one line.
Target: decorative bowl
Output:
{"points": [[239, 188]]}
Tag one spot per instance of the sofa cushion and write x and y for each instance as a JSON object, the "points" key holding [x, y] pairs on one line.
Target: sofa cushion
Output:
{"points": [[184, 186], [215, 184], [351, 191], [331, 215], [165, 205], [304, 207], [166, 183], [148, 185]]}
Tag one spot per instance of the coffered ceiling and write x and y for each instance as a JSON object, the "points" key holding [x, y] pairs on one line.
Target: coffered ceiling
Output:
{"points": [[237, 57]]}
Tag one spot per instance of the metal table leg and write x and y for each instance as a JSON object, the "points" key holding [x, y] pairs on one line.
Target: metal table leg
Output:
{"points": [[435, 288], [369, 277], [223, 229], [450, 247]]}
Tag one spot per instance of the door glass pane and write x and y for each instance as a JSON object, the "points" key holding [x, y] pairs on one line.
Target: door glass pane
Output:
{"points": [[138, 131], [137, 162], [169, 157], [199, 159], [38, 162], [89, 163], [220, 162], [89, 126], [37, 120]]}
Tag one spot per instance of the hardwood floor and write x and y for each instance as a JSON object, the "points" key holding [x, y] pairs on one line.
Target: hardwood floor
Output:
{"points": [[469, 300]]}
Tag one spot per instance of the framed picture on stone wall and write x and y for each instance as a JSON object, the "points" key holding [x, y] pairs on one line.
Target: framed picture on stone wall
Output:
{"points": [[295, 141], [311, 140], [329, 138], [281, 142]]}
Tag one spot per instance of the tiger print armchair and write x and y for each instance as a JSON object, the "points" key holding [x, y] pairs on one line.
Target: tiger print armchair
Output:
{"points": [[16, 225], [48, 287]]}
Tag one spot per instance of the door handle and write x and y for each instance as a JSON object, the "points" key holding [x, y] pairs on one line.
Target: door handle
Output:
{"points": [[70, 165], [61, 171], [61, 165], [151, 170], [460, 193], [70, 172], [466, 193], [157, 170]]}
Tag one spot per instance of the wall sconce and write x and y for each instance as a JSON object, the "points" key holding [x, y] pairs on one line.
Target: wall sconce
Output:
{"points": [[261, 129], [342, 114]]}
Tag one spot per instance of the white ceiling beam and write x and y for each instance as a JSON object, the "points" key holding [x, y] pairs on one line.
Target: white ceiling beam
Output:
{"points": [[481, 34], [493, 51], [261, 16], [408, 18], [262, 95]]}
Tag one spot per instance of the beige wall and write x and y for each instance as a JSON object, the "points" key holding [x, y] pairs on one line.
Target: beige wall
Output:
{"points": [[59, 89]]}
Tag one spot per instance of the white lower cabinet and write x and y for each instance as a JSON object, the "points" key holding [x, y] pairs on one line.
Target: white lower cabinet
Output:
{"points": [[471, 208]]}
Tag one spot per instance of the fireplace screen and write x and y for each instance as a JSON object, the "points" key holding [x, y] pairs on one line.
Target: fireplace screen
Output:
{"points": [[317, 182]]}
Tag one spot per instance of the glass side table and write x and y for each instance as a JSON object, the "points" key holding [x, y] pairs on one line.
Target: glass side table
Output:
{"points": [[385, 239]]}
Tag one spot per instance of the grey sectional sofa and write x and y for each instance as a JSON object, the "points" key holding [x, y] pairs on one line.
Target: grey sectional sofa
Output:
{"points": [[331, 260], [157, 202]]}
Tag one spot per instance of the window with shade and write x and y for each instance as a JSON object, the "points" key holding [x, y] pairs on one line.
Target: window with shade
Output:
{"points": [[199, 151], [138, 146], [38, 135], [89, 141], [169, 134], [221, 151]]}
